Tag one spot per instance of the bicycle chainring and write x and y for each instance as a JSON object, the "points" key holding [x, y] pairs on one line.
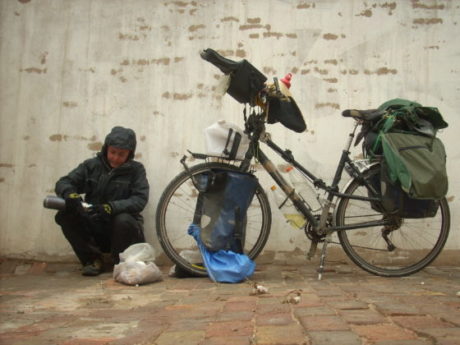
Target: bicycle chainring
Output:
{"points": [[312, 235]]}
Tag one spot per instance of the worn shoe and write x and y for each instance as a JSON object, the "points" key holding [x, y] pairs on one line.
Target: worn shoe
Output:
{"points": [[92, 269]]}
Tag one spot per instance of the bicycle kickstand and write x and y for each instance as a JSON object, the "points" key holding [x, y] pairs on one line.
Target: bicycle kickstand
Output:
{"points": [[322, 259]]}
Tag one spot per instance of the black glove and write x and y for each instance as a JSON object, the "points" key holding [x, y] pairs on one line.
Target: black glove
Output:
{"points": [[100, 212], [73, 203]]}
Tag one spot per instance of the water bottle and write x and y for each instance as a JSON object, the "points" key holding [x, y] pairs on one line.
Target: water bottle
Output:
{"points": [[303, 188], [287, 208]]}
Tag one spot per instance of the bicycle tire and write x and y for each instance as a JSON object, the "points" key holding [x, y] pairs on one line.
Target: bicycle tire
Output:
{"points": [[175, 213], [418, 241]]}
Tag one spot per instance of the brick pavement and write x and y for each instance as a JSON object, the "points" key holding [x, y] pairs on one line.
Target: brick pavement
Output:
{"points": [[45, 303]]}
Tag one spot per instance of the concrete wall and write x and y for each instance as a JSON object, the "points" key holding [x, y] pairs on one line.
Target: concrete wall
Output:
{"points": [[71, 70]]}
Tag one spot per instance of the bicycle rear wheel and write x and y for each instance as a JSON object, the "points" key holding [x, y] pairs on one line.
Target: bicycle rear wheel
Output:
{"points": [[175, 213], [418, 241]]}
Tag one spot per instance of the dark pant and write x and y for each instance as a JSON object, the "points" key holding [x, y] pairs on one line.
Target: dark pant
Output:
{"points": [[89, 239]]}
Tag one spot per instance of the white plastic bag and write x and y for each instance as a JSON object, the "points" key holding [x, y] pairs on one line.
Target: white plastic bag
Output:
{"points": [[138, 252], [136, 273], [136, 266]]}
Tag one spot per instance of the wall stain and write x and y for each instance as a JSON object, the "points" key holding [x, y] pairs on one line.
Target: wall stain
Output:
{"points": [[33, 165], [6, 165], [57, 137], [330, 90], [229, 19], [417, 4], [252, 26], [325, 105], [240, 53], [96, 146], [145, 62], [331, 62], [128, 37], [26, 137], [69, 104], [34, 70], [427, 21], [181, 96], [60, 137], [194, 28], [177, 96], [2, 180], [306, 5], [321, 71], [24, 1], [254, 36], [91, 70], [365, 13], [331, 80], [330, 37], [142, 138], [269, 70], [305, 71], [381, 71], [273, 34], [254, 20], [43, 58], [450, 198]]}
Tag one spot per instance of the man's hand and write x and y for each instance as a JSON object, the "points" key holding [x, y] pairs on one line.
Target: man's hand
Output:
{"points": [[73, 203], [100, 212]]}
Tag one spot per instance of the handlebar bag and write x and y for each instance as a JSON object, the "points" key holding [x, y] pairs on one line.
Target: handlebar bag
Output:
{"points": [[286, 111], [245, 83]]}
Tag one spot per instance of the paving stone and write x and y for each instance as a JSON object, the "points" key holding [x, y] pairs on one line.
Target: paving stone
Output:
{"points": [[229, 328], [444, 336], [312, 311], [396, 308], [240, 306], [274, 319], [361, 316], [229, 340], [194, 337], [348, 304], [334, 337], [383, 332], [323, 323], [282, 335], [420, 322], [405, 342]]}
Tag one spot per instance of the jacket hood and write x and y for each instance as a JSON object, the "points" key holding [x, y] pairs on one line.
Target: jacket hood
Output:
{"points": [[122, 138]]}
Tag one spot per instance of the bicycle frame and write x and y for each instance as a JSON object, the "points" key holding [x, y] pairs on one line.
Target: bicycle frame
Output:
{"points": [[321, 227]]}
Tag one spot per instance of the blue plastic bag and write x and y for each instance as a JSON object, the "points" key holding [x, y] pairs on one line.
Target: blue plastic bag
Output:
{"points": [[223, 266]]}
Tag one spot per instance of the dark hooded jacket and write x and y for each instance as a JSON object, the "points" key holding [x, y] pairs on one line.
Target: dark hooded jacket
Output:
{"points": [[125, 188]]}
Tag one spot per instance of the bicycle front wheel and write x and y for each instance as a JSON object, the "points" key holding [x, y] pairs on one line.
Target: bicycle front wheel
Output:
{"points": [[417, 241], [175, 213]]}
